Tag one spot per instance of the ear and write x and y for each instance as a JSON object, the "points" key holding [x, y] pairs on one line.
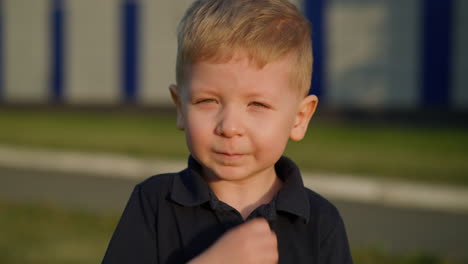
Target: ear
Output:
{"points": [[177, 101], [305, 112]]}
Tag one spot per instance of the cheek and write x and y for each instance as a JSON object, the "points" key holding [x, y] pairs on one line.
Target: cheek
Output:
{"points": [[270, 146], [273, 133], [272, 139], [273, 124], [197, 129]]}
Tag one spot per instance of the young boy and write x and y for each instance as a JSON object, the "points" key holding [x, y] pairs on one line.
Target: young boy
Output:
{"points": [[243, 75]]}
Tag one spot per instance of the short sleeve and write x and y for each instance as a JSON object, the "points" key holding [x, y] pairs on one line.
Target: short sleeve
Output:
{"points": [[334, 249], [134, 239]]}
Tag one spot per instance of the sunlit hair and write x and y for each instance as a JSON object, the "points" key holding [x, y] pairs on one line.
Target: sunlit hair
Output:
{"points": [[267, 30]]}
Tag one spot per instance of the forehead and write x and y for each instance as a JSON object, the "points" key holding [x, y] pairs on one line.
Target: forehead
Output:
{"points": [[242, 74]]}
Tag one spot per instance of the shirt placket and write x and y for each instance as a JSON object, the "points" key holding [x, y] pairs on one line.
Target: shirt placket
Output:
{"points": [[226, 215], [229, 217]]}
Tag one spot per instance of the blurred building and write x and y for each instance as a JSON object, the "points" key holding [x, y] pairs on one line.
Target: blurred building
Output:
{"points": [[370, 54]]}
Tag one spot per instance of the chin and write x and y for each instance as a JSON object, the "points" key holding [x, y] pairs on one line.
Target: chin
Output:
{"points": [[230, 173]]}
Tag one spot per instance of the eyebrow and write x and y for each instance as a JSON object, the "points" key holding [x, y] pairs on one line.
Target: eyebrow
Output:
{"points": [[258, 95]]}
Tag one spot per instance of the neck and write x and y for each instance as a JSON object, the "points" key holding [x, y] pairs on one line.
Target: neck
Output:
{"points": [[246, 195]]}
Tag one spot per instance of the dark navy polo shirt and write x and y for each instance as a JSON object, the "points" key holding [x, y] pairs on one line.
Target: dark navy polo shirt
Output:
{"points": [[172, 218]]}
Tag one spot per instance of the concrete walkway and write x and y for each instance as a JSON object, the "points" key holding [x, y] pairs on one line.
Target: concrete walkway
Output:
{"points": [[332, 186]]}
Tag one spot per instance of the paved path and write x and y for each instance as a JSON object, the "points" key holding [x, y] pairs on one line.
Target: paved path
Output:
{"points": [[376, 225], [344, 187]]}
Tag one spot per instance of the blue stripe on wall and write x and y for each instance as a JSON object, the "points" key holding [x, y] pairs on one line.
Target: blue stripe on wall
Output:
{"points": [[437, 52], [315, 12], [57, 52], [130, 49], [1, 53]]}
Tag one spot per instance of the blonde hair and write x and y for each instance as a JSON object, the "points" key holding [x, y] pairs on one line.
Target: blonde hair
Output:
{"points": [[268, 30]]}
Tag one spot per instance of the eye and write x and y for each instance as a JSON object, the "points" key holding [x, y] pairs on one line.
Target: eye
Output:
{"points": [[207, 100], [259, 104]]}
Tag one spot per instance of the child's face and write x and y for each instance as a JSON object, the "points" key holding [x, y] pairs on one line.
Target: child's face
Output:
{"points": [[238, 118]]}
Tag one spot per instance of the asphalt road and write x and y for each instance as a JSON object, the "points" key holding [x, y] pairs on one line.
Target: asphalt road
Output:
{"points": [[368, 225]]}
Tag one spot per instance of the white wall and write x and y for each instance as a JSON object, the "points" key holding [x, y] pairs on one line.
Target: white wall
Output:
{"points": [[26, 28], [373, 52], [93, 52], [159, 24], [373, 58]]}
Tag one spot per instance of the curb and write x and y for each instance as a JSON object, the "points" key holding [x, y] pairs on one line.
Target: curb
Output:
{"points": [[332, 186]]}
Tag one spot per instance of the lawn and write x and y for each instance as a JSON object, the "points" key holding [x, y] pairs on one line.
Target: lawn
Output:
{"points": [[46, 234], [409, 152]]}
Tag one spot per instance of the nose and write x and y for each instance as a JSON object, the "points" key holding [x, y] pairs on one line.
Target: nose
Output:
{"points": [[230, 123]]}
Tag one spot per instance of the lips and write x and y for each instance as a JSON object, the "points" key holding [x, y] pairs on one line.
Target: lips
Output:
{"points": [[228, 158], [227, 154]]}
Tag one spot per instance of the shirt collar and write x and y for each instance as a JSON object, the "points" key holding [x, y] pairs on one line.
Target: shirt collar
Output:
{"points": [[190, 189], [292, 197]]}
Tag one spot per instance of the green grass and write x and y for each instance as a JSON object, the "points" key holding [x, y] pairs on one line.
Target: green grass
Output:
{"points": [[41, 233], [437, 155], [44, 234], [381, 256]]}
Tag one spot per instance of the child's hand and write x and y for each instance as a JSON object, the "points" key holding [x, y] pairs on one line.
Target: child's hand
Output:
{"points": [[251, 242]]}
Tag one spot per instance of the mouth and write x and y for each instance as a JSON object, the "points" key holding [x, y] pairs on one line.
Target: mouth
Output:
{"points": [[229, 155]]}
